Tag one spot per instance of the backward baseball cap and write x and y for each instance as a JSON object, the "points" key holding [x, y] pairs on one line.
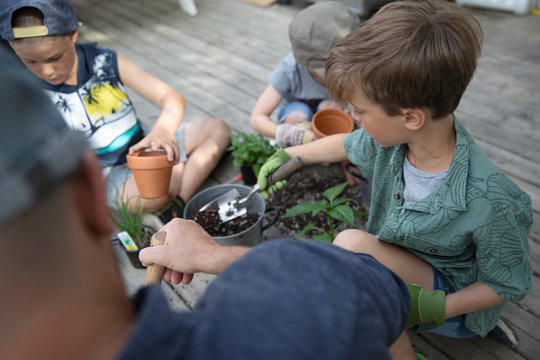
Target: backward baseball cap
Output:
{"points": [[316, 29], [37, 149], [58, 18]]}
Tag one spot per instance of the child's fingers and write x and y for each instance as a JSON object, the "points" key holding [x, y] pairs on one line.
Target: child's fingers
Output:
{"points": [[172, 154]]}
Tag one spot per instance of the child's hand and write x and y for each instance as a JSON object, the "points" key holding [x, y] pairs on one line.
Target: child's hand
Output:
{"points": [[273, 162], [159, 138], [291, 135], [426, 306]]}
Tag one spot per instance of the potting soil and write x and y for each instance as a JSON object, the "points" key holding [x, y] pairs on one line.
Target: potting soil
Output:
{"points": [[309, 184], [211, 222]]}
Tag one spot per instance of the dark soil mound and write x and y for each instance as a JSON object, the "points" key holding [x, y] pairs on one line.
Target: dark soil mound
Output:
{"points": [[309, 185]]}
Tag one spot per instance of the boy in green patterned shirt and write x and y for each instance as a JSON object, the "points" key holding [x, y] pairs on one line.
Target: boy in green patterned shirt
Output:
{"points": [[442, 215]]}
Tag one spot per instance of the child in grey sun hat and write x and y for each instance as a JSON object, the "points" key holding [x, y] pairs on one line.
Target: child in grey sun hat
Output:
{"points": [[316, 29], [37, 149], [296, 88]]}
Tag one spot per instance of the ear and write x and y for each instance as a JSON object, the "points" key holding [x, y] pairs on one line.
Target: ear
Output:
{"points": [[89, 192], [415, 118], [75, 36]]}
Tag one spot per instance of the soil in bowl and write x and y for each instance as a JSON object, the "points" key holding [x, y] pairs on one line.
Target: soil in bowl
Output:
{"points": [[211, 222]]}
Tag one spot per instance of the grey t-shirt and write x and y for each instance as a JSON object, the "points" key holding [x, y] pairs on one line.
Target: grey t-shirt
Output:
{"points": [[294, 82], [419, 183]]}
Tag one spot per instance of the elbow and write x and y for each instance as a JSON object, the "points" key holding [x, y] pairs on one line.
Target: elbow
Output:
{"points": [[254, 123]]}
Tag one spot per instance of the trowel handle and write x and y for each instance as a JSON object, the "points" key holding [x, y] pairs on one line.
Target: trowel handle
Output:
{"points": [[285, 170], [154, 273]]}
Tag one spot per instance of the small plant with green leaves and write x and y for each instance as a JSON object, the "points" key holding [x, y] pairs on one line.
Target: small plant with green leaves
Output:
{"points": [[337, 210], [129, 220], [250, 150]]}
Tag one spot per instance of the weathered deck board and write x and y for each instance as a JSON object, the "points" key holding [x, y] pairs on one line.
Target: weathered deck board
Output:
{"points": [[220, 61]]}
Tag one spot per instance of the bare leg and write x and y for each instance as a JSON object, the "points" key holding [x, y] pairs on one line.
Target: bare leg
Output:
{"points": [[205, 142], [132, 197], [402, 348], [410, 268]]}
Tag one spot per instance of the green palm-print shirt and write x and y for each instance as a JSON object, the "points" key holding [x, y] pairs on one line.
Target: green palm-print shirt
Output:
{"points": [[473, 228]]}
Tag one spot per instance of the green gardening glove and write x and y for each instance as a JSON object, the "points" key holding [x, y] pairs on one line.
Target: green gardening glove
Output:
{"points": [[273, 162], [426, 306]]}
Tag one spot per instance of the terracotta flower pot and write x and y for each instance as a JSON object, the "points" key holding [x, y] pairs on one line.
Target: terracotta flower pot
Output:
{"points": [[331, 121], [152, 173]]}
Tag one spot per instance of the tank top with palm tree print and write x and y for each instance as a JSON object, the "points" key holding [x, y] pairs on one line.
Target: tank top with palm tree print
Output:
{"points": [[99, 106]]}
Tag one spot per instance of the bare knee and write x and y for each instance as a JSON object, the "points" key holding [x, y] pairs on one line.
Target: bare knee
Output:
{"points": [[357, 241], [218, 127]]}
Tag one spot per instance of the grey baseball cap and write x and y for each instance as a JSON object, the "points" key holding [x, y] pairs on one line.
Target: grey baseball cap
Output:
{"points": [[316, 29], [37, 149], [58, 18]]}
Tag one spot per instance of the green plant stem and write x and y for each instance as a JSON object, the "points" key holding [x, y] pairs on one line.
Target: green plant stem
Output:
{"points": [[329, 219]]}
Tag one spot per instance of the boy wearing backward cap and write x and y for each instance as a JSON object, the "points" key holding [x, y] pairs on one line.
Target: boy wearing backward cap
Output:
{"points": [[86, 84]]}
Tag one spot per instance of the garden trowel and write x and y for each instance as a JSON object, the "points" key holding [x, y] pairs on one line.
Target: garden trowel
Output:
{"points": [[231, 204]]}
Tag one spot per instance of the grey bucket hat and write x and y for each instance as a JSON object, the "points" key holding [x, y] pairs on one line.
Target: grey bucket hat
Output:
{"points": [[58, 18], [37, 149], [316, 29]]}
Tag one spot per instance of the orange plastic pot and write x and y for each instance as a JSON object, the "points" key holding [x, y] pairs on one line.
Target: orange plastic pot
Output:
{"points": [[331, 121], [152, 173]]}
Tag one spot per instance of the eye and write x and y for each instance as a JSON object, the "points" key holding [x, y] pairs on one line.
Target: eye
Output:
{"points": [[356, 112]]}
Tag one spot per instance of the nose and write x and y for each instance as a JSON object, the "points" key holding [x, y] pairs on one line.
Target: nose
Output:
{"points": [[47, 70]]}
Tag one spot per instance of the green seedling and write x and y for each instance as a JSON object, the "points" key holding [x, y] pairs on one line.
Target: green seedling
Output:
{"points": [[250, 150], [335, 208]]}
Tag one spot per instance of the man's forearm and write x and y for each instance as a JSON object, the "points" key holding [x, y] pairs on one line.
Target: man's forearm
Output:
{"points": [[221, 257]]}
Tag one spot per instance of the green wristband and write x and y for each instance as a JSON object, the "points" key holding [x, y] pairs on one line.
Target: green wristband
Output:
{"points": [[432, 306], [426, 306]]}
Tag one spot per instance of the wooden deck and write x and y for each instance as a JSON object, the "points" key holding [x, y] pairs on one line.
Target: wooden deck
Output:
{"points": [[221, 58]]}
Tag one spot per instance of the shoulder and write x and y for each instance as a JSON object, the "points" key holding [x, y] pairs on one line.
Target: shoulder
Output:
{"points": [[360, 141], [287, 65], [91, 50], [98, 60], [288, 60]]}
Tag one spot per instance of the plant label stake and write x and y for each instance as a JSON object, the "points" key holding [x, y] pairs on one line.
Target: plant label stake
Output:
{"points": [[231, 205], [154, 273]]}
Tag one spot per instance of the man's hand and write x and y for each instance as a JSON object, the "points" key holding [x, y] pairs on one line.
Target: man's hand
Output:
{"points": [[426, 306], [273, 162], [188, 249]]}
